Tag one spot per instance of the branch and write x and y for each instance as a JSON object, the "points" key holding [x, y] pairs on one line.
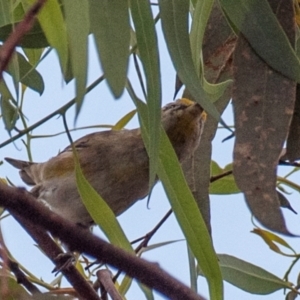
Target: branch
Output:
{"points": [[21, 29], [82, 287], [21, 203]]}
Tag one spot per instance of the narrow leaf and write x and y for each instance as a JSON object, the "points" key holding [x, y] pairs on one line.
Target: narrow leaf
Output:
{"points": [[52, 23], [124, 120], [101, 212], [110, 25], [185, 207], [174, 18], [148, 50], [77, 23], [270, 238], [263, 105], [29, 76], [8, 110], [268, 37]]}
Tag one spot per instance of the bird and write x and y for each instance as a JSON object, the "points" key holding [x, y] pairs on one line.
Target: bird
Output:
{"points": [[115, 162]]}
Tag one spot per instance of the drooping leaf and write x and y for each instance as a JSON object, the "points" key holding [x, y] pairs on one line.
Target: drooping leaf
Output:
{"points": [[13, 70], [293, 140], [124, 120], [111, 29], [248, 277], [271, 238], [33, 55], [218, 45], [9, 110], [284, 202], [53, 25], [263, 104], [28, 75], [270, 37], [174, 18], [184, 206], [100, 211], [78, 27], [148, 50], [200, 18], [34, 39]]}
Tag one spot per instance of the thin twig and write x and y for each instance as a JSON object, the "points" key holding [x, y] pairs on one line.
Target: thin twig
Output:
{"points": [[107, 284], [219, 176], [59, 111], [82, 287], [23, 205]]}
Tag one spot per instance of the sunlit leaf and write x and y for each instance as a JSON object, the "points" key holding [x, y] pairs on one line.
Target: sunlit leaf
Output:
{"points": [[53, 25], [271, 238], [124, 120]]}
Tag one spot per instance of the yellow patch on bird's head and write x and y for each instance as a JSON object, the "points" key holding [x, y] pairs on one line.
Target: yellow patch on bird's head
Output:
{"points": [[186, 101], [204, 116]]}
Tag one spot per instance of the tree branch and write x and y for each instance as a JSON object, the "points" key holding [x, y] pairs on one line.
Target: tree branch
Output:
{"points": [[21, 203], [82, 287]]}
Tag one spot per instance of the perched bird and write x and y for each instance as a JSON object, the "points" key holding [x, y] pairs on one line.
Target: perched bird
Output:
{"points": [[114, 162]]}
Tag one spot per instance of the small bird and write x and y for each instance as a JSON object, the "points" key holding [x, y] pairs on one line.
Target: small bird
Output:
{"points": [[114, 162]]}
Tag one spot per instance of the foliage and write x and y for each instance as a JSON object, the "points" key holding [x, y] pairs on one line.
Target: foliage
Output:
{"points": [[244, 50]]}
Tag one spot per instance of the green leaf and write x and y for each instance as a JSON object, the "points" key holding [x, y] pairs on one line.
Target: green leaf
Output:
{"points": [[124, 120], [148, 50], [101, 212], [34, 39], [174, 18], [184, 206], [249, 277], [33, 55], [199, 21], [77, 23], [193, 270], [147, 292], [29, 76], [224, 185], [5, 15], [111, 29], [52, 22], [13, 70], [256, 20], [13, 288], [8, 110]]}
